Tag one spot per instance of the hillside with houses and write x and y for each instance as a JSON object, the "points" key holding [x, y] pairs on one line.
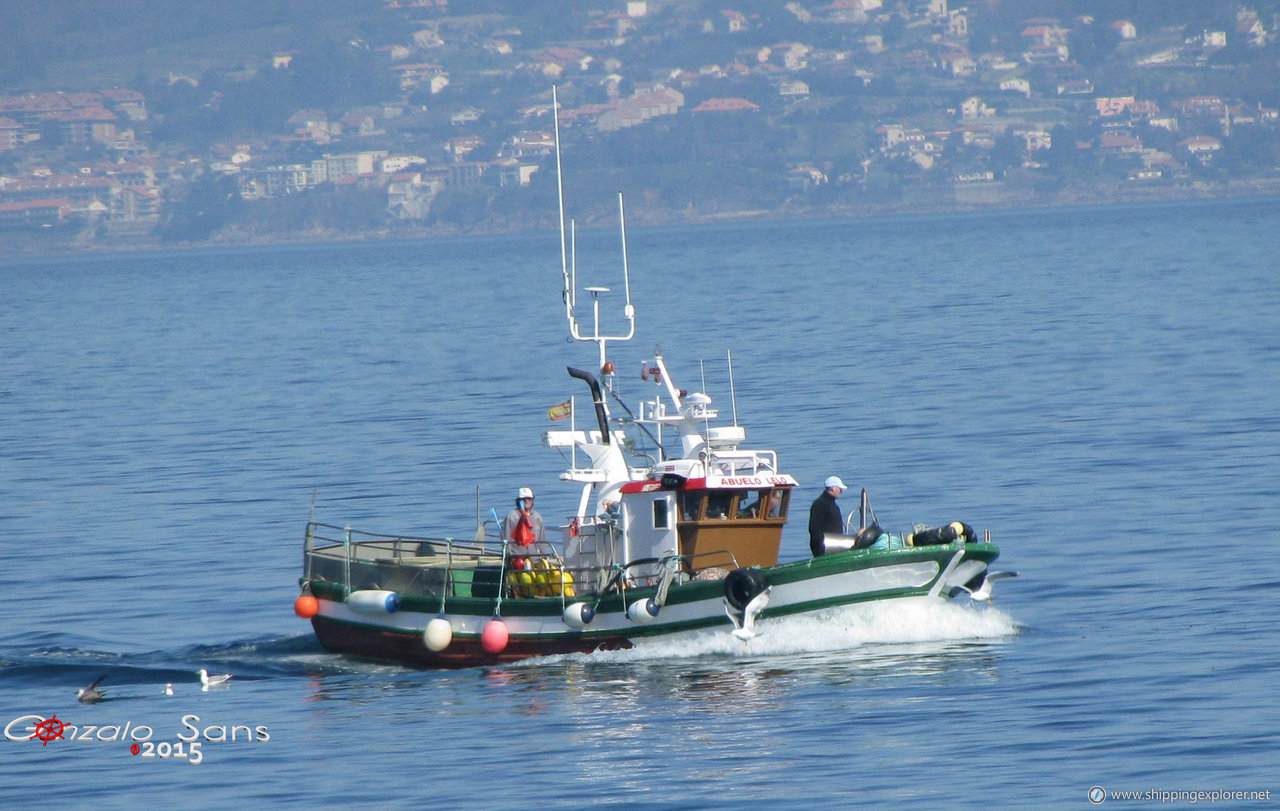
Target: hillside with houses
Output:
{"points": [[389, 117]]}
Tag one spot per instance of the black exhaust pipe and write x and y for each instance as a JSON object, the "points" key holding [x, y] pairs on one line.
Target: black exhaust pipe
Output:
{"points": [[597, 398]]}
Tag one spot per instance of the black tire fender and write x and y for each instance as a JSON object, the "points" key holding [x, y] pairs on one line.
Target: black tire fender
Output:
{"points": [[742, 586]]}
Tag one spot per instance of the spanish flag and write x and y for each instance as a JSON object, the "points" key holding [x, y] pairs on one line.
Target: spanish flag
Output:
{"points": [[562, 411]]}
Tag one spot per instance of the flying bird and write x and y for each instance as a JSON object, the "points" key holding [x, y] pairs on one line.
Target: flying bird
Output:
{"points": [[207, 681], [980, 587], [91, 694], [745, 629]]}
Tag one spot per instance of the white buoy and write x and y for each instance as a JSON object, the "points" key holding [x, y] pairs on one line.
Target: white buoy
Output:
{"points": [[374, 601], [642, 611], [578, 615], [438, 634]]}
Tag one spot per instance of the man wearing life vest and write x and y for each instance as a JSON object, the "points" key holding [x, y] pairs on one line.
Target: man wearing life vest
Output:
{"points": [[523, 525]]}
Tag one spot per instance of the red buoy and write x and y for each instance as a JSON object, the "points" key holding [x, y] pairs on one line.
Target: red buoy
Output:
{"points": [[306, 606], [494, 636]]}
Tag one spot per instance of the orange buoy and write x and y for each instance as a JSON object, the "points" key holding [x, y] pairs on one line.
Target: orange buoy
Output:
{"points": [[494, 637], [306, 606]]}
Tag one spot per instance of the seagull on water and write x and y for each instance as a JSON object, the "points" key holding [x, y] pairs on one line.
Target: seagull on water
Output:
{"points": [[91, 694], [207, 681], [168, 689]]}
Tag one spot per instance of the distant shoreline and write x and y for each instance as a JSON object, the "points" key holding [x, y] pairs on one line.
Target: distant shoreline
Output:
{"points": [[36, 244]]}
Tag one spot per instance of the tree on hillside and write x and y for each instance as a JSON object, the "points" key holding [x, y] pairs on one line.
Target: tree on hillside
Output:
{"points": [[1007, 153], [210, 203]]}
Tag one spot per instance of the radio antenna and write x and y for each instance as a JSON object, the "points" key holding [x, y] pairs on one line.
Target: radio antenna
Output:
{"points": [[569, 270]]}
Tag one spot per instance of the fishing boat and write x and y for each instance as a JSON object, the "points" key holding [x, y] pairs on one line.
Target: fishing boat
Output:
{"points": [[677, 530]]}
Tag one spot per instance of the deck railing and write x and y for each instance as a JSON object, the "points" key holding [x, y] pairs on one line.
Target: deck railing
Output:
{"points": [[447, 568], [411, 564]]}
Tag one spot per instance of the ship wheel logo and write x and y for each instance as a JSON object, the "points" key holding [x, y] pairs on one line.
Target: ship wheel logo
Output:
{"points": [[49, 730]]}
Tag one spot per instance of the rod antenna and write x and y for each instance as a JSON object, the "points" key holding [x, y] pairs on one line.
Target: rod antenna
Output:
{"points": [[569, 270], [570, 292], [733, 395]]}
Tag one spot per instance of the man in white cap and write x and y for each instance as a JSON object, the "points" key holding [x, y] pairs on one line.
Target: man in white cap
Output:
{"points": [[523, 525], [824, 515]]}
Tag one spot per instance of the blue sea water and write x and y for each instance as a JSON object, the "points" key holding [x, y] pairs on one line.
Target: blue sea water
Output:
{"points": [[1100, 388]]}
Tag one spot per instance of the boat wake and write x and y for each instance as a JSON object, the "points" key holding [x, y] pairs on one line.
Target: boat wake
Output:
{"points": [[143, 673], [914, 624]]}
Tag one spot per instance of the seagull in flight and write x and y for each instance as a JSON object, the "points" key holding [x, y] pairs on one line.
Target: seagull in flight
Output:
{"points": [[745, 629], [982, 592], [91, 694], [207, 681]]}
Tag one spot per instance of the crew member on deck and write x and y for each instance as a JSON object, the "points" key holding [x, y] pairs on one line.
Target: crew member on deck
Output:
{"points": [[824, 515], [523, 525]]}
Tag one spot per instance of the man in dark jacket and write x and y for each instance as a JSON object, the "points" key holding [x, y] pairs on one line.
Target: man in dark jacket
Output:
{"points": [[824, 515]]}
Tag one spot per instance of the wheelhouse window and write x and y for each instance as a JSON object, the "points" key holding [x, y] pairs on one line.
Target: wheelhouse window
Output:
{"points": [[660, 520], [690, 504], [720, 504], [731, 505], [779, 498]]}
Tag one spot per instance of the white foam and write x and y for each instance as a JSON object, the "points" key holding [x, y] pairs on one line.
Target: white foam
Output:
{"points": [[914, 622]]}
